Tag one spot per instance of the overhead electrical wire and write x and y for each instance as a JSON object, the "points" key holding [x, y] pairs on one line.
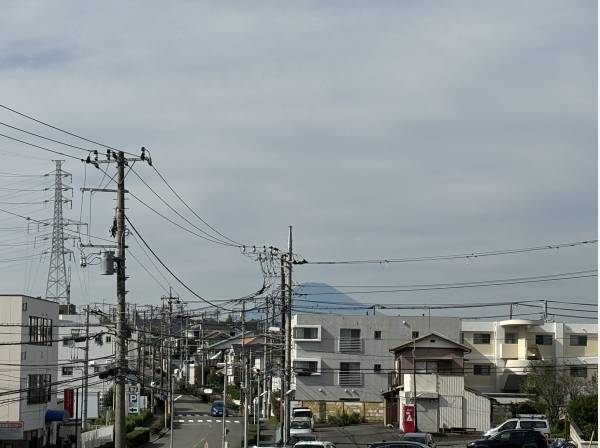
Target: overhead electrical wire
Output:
{"points": [[470, 255]]}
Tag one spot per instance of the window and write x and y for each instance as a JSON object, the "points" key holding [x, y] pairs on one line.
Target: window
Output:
{"points": [[108, 338], [40, 330], [377, 335], [578, 340], [66, 341], [510, 338], [39, 388], [579, 372], [482, 369], [24, 306], [543, 339], [377, 368], [350, 341], [511, 424], [306, 367], [481, 338], [462, 337], [349, 374], [427, 366], [67, 371], [23, 355], [415, 334], [96, 369], [308, 333]]}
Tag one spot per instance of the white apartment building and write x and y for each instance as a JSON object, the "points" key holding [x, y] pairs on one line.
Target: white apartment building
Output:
{"points": [[501, 351], [71, 356], [29, 354], [338, 361]]}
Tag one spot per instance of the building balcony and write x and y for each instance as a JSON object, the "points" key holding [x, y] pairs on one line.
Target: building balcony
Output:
{"points": [[350, 345], [350, 378], [509, 351]]}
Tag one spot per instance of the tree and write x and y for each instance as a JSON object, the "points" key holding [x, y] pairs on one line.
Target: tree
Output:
{"points": [[553, 387], [583, 410]]}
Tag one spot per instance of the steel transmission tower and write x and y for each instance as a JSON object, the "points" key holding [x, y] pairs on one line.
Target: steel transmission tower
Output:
{"points": [[58, 287]]}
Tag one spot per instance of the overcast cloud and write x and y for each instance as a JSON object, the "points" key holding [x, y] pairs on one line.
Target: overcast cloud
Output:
{"points": [[376, 129]]}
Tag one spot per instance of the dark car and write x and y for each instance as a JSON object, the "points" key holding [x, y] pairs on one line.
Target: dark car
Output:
{"points": [[216, 409], [512, 438], [422, 437], [397, 444]]}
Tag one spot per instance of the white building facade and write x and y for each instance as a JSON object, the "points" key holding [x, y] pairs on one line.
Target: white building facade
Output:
{"points": [[501, 351], [28, 372]]}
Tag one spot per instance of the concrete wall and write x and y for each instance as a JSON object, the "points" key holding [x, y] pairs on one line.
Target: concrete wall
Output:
{"points": [[371, 412]]}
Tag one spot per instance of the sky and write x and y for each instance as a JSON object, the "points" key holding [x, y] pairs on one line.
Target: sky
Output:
{"points": [[376, 129]]}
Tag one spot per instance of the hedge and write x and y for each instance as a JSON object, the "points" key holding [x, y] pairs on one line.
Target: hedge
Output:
{"points": [[137, 437]]}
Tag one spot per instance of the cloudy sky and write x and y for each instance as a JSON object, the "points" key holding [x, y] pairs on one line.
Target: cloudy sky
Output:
{"points": [[377, 129]]}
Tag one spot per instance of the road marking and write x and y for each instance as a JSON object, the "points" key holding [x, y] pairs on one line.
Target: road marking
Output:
{"points": [[236, 421], [177, 398], [180, 421], [208, 421], [190, 421], [200, 421]]}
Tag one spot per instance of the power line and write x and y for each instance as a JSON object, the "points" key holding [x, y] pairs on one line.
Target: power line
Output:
{"points": [[453, 256], [43, 148]]}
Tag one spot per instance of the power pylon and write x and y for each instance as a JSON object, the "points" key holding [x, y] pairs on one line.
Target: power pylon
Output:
{"points": [[58, 287]]}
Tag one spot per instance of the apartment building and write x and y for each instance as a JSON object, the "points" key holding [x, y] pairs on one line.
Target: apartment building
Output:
{"points": [[71, 357], [344, 362], [29, 355], [501, 351]]}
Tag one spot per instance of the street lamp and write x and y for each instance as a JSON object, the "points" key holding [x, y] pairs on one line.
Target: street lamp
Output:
{"points": [[414, 359]]}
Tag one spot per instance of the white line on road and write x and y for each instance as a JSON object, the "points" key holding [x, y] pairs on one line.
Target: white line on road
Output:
{"points": [[200, 421], [208, 421], [177, 398], [236, 421], [190, 421], [180, 421]]}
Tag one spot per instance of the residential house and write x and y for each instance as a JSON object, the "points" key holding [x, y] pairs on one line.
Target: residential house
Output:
{"points": [[429, 371]]}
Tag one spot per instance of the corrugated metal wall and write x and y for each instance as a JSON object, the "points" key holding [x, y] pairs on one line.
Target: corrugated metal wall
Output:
{"points": [[452, 385], [476, 411], [451, 411]]}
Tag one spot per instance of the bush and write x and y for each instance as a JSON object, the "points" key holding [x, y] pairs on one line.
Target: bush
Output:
{"points": [[344, 419], [137, 437], [527, 407], [134, 420], [157, 426], [583, 410]]}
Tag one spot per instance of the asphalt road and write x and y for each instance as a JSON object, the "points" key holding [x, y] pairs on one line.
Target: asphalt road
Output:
{"points": [[194, 428]]}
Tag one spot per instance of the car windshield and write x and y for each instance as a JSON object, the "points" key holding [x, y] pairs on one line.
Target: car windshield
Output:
{"points": [[415, 438], [303, 413], [300, 425], [218, 404]]}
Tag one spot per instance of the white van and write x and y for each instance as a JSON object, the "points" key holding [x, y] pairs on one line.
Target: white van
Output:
{"points": [[539, 424], [306, 413]]}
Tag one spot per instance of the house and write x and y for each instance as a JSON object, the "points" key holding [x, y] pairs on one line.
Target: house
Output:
{"points": [[28, 374], [341, 363], [71, 357], [501, 352], [429, 371]]}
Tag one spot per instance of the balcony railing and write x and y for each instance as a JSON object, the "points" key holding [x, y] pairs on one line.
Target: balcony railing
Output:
{"points": [[350, 378], [350, 345]]}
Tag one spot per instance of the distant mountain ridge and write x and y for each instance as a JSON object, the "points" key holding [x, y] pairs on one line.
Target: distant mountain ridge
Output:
{"points": [[323, 298]]}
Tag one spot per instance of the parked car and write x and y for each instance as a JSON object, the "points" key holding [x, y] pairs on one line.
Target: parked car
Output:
{"points": [[313, 444], [422, 437], [216, 410], [538, 424], [512, 438], [304, 412], [397, 444], [300, 425], [293, 440]]}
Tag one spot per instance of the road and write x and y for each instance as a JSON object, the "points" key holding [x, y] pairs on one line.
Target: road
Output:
{"points": [[194, 428]]}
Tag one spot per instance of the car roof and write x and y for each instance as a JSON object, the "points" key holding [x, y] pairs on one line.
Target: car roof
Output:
{"points": [[405, 442], [301, 419], [420, 434]]}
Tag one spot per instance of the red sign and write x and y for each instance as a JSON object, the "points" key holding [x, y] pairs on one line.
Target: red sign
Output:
{"points": [[69, 395], [408, 418]]}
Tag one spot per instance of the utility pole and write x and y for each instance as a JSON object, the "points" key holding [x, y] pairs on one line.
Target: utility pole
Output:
{"points": [[224, 429], [152, 383], [510, 311], [245, 385], [282, 361], [121, 291], [288, 340], [143, 334], [202, 346], [86, 350]]}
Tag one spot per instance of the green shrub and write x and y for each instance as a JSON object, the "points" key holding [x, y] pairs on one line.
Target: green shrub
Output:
{"points": [[134, 420], [583, 410], [344, 419], [137, 437]]}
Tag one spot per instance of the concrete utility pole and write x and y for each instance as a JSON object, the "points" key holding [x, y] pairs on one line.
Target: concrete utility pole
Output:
{"points": [[224, 428], [152, 383], [245, 385], [86, 350], [283, 352], [288, 340], [121, 291]]}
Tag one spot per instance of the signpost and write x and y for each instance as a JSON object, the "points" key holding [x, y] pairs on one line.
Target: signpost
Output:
{"points": [[133, 402]]}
